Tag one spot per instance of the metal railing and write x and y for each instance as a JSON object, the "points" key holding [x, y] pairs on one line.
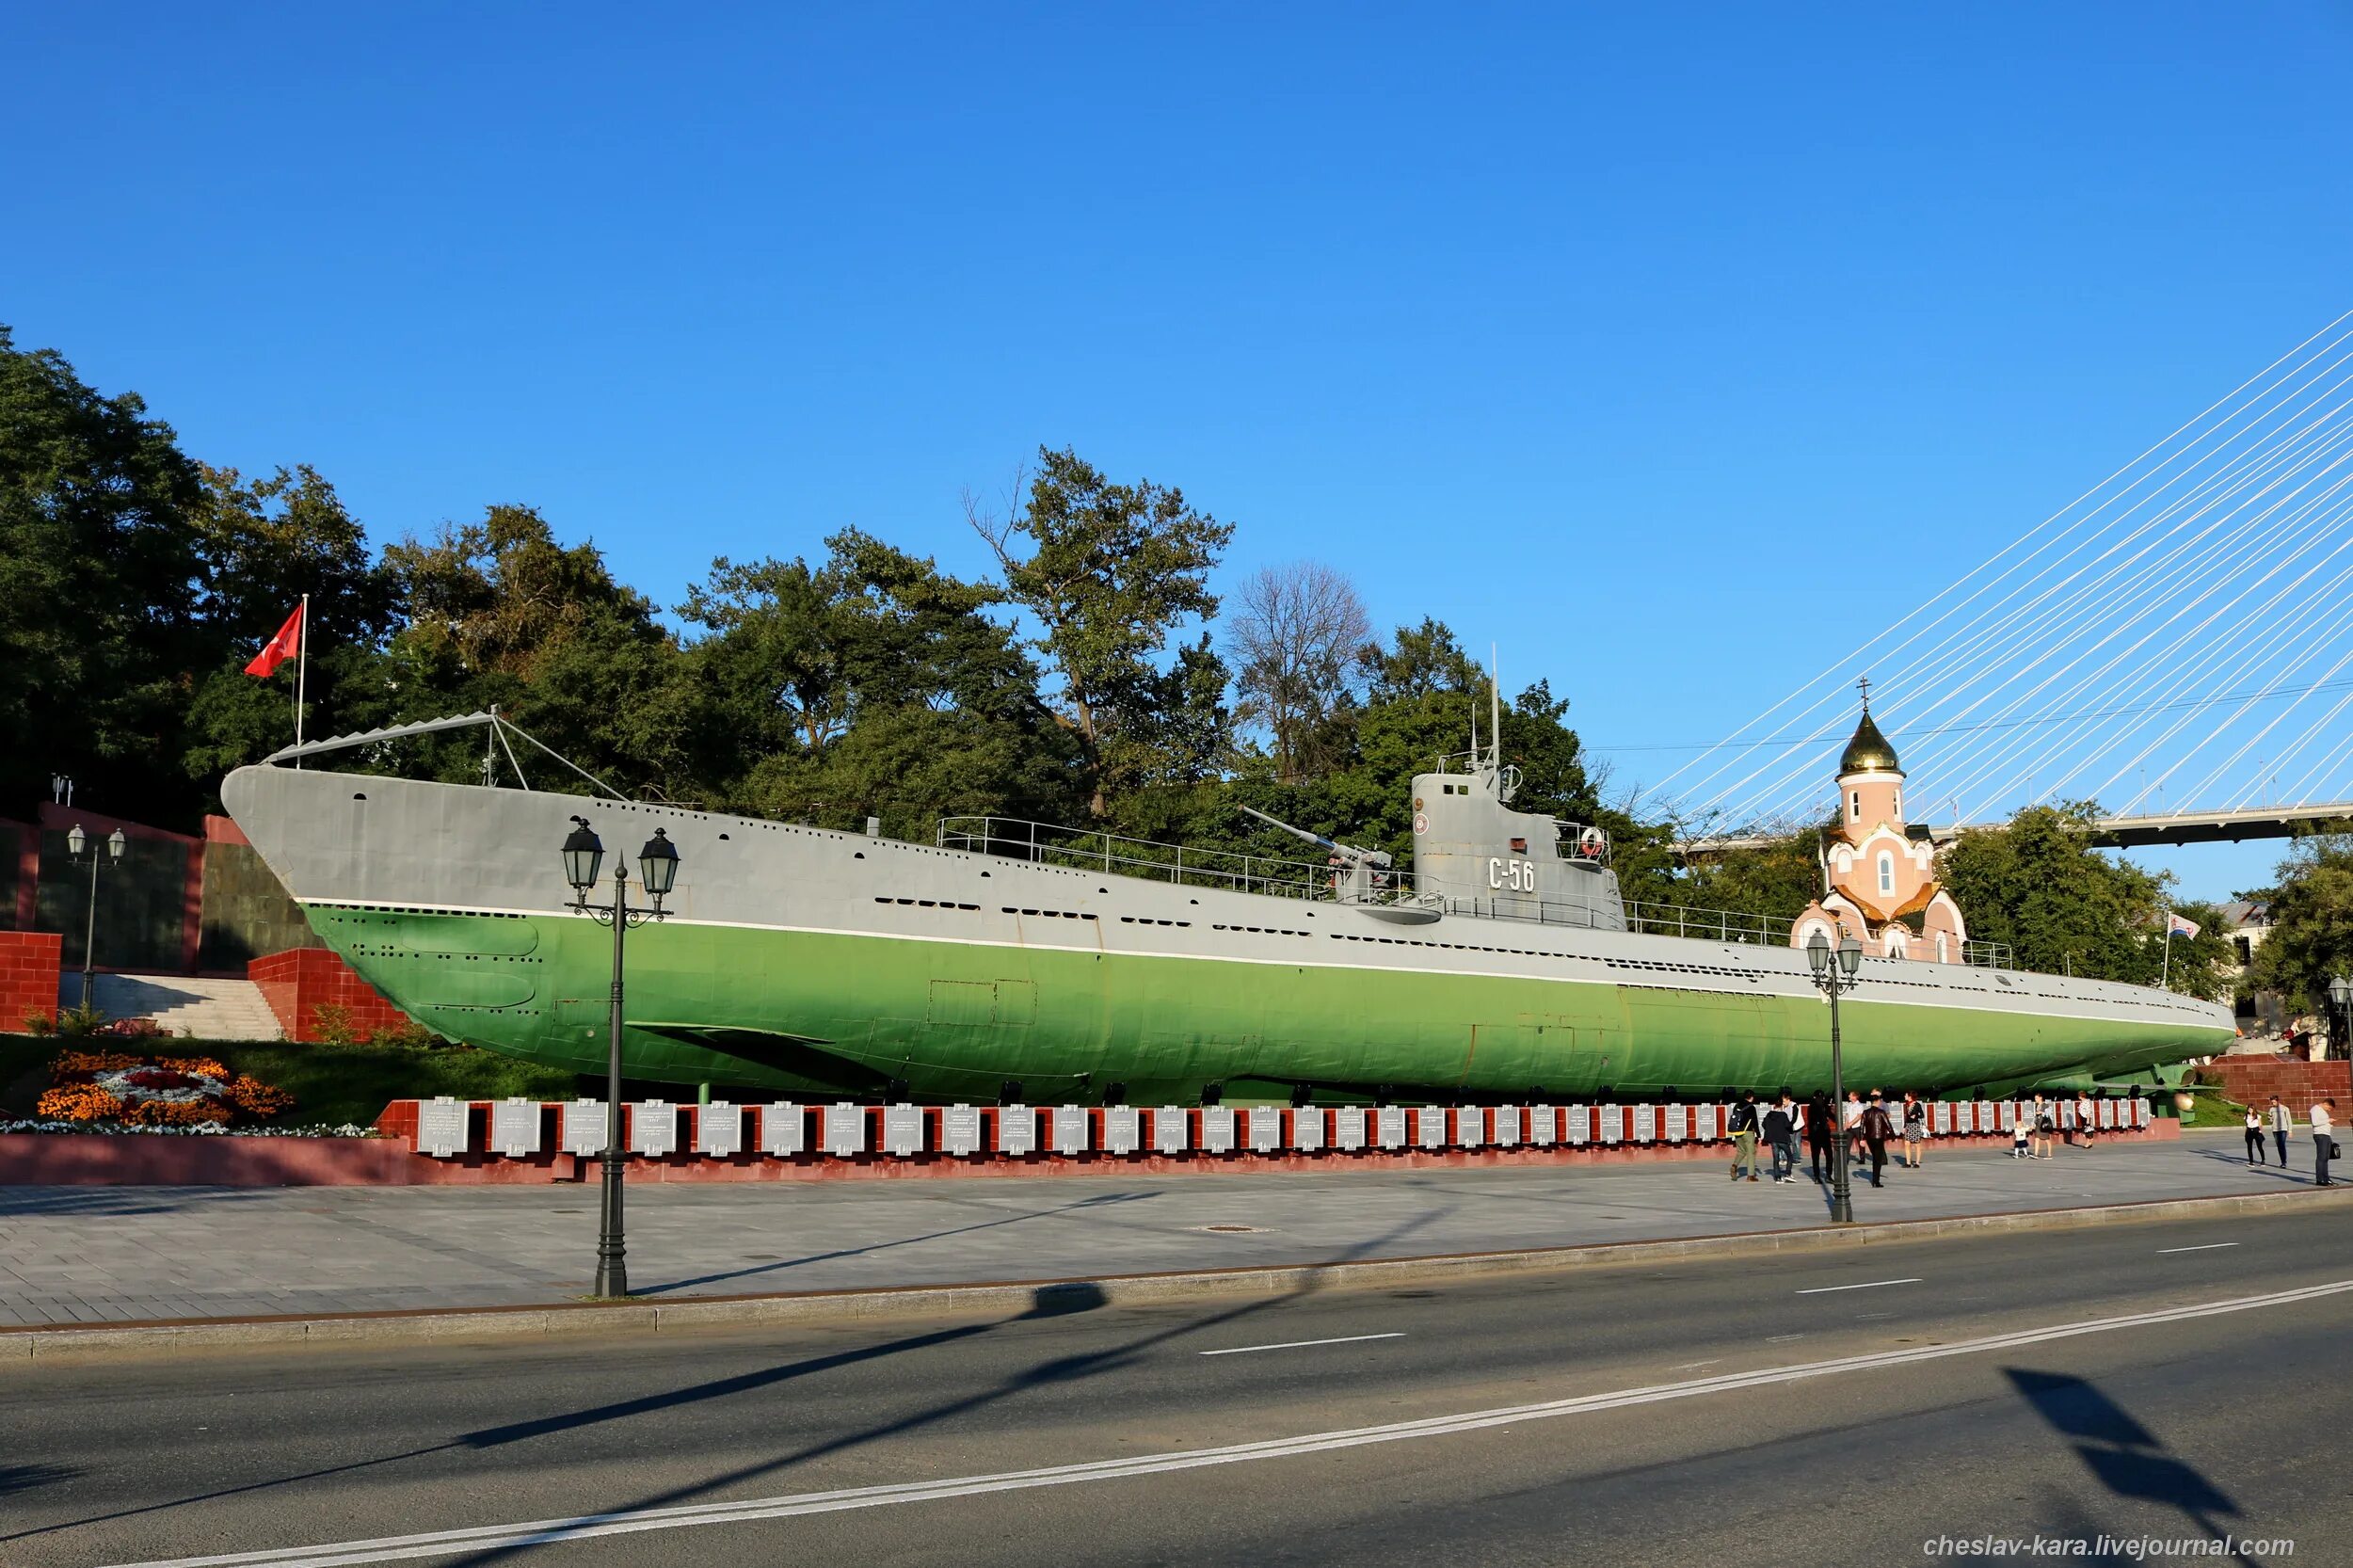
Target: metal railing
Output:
{"points": [[1188, 865], [1986, 956]]}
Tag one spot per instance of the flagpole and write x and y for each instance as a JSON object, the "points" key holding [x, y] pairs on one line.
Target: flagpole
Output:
{"points": [[2164, 976], [302, 670]]}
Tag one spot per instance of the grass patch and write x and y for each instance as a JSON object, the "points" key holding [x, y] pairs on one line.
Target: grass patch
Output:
{"points": [[329, 1084]]}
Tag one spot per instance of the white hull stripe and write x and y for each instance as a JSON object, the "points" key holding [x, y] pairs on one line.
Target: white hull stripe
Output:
{"points": [[542, 1533]]}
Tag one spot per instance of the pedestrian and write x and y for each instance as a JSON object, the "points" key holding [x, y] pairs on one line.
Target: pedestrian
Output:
{"points": [[1915, 1129], [2282, 1123], [1743, 1129], [2045, 1123], [2021, 1128], [1781, 1133], [2254, 1136], [1850, 1125], [1876, 1128], [2324, 1119], [1817, 1133]]}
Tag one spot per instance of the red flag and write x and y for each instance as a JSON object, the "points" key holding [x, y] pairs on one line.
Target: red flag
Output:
{"points": [[278, 648]]}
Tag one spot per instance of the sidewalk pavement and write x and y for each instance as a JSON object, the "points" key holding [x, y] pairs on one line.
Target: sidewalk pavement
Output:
{"points": [[83, 1255]]}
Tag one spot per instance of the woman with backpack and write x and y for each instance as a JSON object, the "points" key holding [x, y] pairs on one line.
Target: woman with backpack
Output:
{"points": [[2045, 1123]]}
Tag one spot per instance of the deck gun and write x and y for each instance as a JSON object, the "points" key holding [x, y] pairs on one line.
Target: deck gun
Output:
{"points": [[1365, 879]]}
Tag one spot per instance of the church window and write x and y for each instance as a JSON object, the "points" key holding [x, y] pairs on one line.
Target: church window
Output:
{"points": [[1887, 873], [1899, 803], [1854, 805]]}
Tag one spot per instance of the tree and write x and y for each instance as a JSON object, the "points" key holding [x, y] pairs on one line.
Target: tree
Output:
{"points": [[1107, 573], [2311, 922], [1296, 635], [2037, 885], [99, 573]]}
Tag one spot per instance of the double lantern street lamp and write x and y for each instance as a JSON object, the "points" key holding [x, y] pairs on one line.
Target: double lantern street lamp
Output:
{"points": [[2341, 1027], [1835, 972], [75, 842], [657, 867]]}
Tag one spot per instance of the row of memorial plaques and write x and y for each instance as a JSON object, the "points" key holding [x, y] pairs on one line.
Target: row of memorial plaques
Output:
{"points": [[443, 1127]]}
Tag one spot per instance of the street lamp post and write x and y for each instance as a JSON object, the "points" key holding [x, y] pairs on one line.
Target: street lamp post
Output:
{"points": [[76, 840], [1835, 973], [2341, 1027], [657, 867]]}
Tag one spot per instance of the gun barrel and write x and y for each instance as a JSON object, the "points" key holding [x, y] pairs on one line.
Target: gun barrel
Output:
{"points": [[1349, 851]]}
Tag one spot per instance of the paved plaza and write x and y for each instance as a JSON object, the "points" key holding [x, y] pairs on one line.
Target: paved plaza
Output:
{"points": [[95, 1255]]}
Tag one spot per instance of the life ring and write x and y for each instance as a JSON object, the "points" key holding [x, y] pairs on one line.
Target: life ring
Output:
{"points": [[1589, 843]]}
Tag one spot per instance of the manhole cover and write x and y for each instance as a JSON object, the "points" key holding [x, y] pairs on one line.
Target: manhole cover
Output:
{"points": [[1247, 1230]]}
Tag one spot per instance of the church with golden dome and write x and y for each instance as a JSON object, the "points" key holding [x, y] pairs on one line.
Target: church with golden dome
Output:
{"points": [[1878, 873]]}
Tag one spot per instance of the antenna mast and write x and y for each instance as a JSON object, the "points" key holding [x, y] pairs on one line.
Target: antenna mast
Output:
{"points": [[1494, 702]]}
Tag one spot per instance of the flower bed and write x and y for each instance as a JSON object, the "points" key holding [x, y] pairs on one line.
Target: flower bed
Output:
{"points": [[109, 1092]]}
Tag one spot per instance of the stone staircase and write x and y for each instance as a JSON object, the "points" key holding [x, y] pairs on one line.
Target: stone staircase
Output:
{"points": [[205, 1009]]}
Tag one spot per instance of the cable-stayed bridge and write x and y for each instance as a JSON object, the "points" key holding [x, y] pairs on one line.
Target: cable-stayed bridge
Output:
{"points": [[2175, 644]]}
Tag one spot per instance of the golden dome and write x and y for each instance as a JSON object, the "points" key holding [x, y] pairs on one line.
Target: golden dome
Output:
{"points": [[1868, 752]]}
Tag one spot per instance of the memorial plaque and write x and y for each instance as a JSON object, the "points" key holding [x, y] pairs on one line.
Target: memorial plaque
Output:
{"points": [[1470, 1125], [1706, 1120], [581, 1126], [1506, 1126], [1430, 1126], [784, 1128], [1389, 1127], [1170, 1133], [2009, 1115], [902, 1130], [2141, 1113], [1646, 1124], [1016, 1129], [1989, 1116], [1070, 1129], [2108, 1112], [1217, 1130], [1348, 1127], [654, 1129], [515, 1127], [1307, 1129], [442, 1125], [845, 1130], [1679, 1122], [1121, 1133], [1266, 1128], [719, 1129], [1941, 1118], [2066, 1116], [960, 1129], [1544, 1123]]}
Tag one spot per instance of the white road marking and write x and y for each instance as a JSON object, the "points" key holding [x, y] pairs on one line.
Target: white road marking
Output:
{"points": [[1301, 1344], [540, 1532], [1686, 1365], [2208, 1247], [1782, 1338], [1870, 1284]]}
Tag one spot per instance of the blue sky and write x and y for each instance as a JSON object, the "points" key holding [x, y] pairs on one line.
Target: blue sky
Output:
{"points": [[1598, 332]]}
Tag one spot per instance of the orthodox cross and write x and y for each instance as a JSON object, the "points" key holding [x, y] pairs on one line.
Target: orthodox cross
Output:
{"points": [[1863, 687]]}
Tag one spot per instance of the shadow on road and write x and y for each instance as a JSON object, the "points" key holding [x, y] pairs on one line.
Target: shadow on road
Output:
{"points": [[2121, 1454]]}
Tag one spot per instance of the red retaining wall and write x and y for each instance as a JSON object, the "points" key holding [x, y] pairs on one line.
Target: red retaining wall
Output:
{"points": [[28, 977], [95, 1160], [2254, 1079], [300, 981]]}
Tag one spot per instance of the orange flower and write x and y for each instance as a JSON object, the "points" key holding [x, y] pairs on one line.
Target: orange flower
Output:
{"points": [[258, 1099], [79, 1102], [175, 1112], [81, 1063], [195, 1066]]}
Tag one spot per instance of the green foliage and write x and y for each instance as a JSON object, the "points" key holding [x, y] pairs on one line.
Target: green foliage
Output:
{"points": [[2312, 923], [2037, 886], [1107, 573]]}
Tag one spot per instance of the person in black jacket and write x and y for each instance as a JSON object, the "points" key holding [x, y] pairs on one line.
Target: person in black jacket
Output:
{"points": [[1780, 1134], [1819, 1133], [1877, 1127]]}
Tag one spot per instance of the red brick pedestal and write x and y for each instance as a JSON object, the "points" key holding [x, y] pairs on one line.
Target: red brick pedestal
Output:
{"points": [[28, 977], [2254, 1079], [300, 981]]}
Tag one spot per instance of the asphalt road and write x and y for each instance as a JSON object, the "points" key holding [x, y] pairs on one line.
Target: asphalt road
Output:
{"points": [[1827, 1410]]}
